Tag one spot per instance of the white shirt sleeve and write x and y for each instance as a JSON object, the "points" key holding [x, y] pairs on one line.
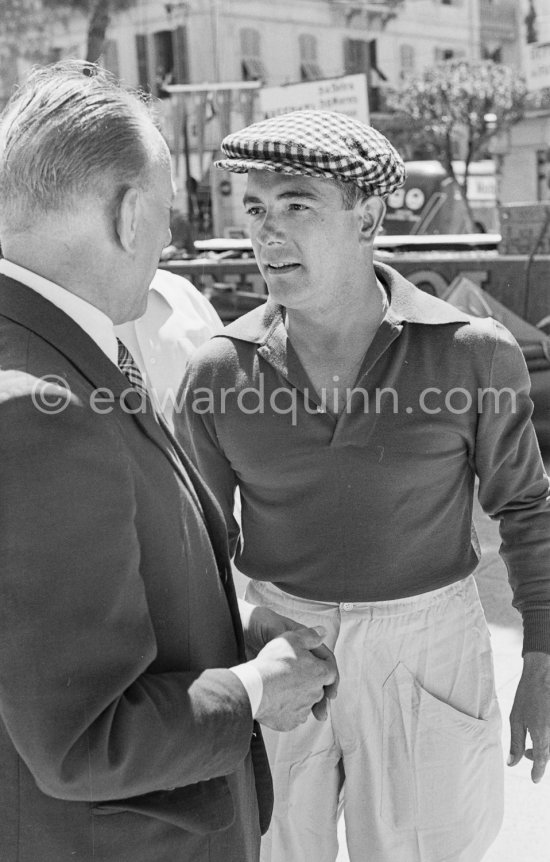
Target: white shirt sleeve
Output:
{"points": [[250, 677]]}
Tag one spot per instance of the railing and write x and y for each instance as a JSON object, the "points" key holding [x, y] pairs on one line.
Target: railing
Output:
{"points": [[384, 10]]}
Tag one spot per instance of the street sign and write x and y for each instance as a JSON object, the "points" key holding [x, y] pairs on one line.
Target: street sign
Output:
{"points": [[346, 95]]}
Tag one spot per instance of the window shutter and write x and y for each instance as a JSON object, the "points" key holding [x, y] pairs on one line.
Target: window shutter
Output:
{"points": [[250, 42], [142, 61], [252, 68], [406, 59], [308, 48], [356, 56], [181, 55], [110, 56]]}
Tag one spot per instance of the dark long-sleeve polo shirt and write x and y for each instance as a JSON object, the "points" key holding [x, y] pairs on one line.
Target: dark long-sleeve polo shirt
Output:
{"points": [[375, 503]]}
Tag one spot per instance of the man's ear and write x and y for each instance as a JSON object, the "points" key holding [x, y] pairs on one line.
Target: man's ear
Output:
{"points": [[126, 221], [371, 212]]}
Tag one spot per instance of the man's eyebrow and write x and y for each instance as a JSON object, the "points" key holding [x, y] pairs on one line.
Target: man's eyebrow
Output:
{"points": [[295, 193]]}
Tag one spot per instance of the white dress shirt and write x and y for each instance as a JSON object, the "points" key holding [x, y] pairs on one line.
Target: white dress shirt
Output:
{"points": [[177, 321]]}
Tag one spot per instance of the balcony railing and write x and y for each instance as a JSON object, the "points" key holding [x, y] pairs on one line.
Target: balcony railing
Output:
{"points": [[380, 11]]}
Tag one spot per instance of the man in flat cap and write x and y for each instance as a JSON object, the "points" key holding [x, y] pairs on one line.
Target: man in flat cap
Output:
{"points": [[354, 412]]}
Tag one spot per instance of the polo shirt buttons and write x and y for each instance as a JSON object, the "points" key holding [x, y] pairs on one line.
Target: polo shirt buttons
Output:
{"points": [[347, 606]]}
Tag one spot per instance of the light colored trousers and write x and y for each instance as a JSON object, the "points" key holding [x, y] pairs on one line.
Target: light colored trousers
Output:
{"points": [[415, 729]]}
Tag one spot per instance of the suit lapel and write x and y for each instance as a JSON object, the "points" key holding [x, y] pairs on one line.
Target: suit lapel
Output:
{"points": [[217, 530], [27, 308]]}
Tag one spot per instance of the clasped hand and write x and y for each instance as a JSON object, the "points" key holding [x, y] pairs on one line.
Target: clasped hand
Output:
{"points": [[298, 671]]}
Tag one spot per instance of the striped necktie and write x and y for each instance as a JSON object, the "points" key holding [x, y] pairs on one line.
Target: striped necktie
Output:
{"points": [[127, 365], [129, 368]]}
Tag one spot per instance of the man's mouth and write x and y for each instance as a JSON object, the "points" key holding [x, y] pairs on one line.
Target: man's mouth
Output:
{"points": [[281, 268]]}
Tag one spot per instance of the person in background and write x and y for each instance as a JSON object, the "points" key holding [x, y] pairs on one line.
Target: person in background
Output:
{"points": [[354, 412], [127, 705], [178, 319], [182, 244]]}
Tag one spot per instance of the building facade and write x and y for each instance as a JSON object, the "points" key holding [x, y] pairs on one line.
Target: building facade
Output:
{"points": [[523, 154], [161, 43]]}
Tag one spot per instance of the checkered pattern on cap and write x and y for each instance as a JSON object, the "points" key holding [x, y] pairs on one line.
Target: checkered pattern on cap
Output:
{"points": [[318, 144]]}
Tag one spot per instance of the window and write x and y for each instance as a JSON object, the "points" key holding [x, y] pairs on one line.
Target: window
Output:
{"points": [[361, 56], [164, 61], [142, 51], [309, 67], [252, 68], [356, 56], [162, 58], [406, 59], [490, 52], [250, 42], [443, 54], [180, 52]]}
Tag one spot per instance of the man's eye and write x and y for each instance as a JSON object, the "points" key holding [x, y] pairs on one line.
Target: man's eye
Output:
{"points": [[297, 207], [252, 211]]}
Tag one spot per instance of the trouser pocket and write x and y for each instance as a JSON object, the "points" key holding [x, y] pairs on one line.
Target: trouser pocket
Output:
{"points": [[439, 765]]}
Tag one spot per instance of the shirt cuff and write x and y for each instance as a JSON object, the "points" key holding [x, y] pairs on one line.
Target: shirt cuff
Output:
{"points": [[250, 677]]}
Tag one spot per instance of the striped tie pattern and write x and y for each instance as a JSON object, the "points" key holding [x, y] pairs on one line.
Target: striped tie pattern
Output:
{"points": [[129, 368]]}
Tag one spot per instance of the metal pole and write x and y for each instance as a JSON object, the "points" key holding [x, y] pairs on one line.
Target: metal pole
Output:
{"points": [[185, 131]]}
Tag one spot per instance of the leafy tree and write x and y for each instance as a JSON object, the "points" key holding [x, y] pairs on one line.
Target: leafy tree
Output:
{"points": [[22, 27], [99, 20], [98, 13], [460, 102], [23, 34]]}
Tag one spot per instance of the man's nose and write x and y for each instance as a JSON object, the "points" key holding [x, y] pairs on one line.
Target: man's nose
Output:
{"points": [[271, 231]]}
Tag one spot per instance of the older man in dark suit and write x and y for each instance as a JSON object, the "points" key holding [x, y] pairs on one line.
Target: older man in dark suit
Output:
{"points": [[126, 702]]}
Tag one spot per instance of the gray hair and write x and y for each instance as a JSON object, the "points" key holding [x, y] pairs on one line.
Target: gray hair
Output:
{"points": [[69, 131]]}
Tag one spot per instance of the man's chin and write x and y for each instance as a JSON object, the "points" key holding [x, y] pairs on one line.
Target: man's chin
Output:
{"points": [[279, 285], [142, 308], [278, 295], [134, 313]]}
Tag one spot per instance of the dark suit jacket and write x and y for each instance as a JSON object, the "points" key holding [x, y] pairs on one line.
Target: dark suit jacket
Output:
{"points": [[123, 737]]}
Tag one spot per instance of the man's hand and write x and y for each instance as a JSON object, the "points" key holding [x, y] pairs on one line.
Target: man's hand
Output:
{"points": [[261, 625], [531, 713], [296, 670]]}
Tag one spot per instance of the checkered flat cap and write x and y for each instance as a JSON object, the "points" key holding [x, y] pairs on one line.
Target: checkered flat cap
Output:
{"points": [[317, 144]]}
